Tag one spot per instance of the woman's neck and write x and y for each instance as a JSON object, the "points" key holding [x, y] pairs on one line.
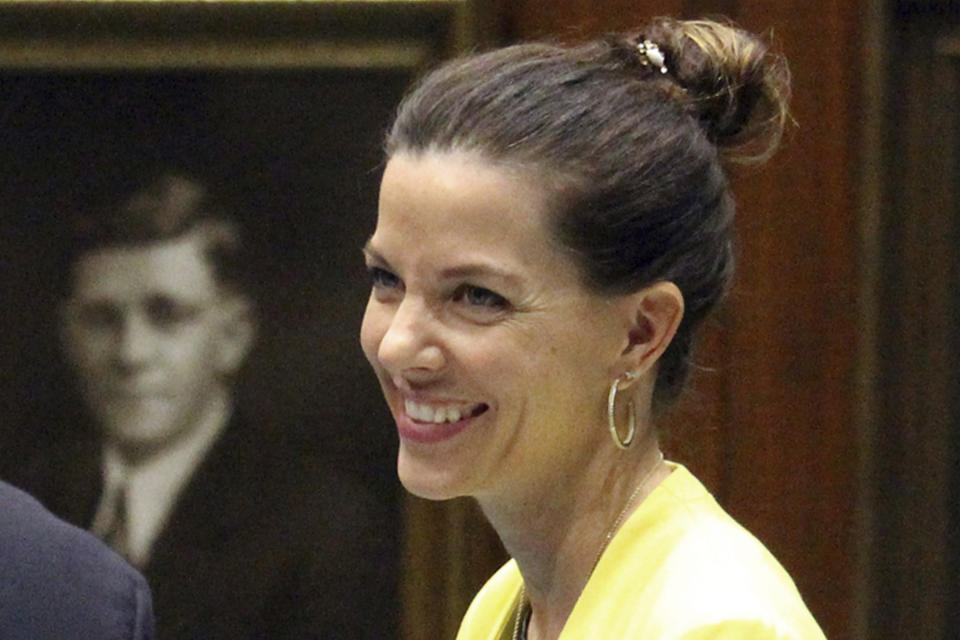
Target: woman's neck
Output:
{"points": [[557, 531]]}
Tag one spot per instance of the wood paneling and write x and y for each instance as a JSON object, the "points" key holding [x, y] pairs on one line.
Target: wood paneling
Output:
{"points": [[915, 467], [791, 455], [449, 552]]}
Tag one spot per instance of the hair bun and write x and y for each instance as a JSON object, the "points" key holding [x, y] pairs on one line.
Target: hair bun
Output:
{"points": [[736, 86]]}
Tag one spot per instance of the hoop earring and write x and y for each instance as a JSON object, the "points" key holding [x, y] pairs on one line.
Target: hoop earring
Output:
{"points": [[623, 443]]}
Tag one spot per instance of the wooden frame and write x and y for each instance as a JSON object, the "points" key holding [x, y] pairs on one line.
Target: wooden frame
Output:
{"points": [[235, 34], [122, 43]]}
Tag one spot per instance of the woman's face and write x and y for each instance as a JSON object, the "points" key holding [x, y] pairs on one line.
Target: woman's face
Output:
{"points": [[493, 356]]}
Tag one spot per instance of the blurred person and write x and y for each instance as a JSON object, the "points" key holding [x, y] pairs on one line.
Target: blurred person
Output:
{"points": [[240, 533], [57, 581]]}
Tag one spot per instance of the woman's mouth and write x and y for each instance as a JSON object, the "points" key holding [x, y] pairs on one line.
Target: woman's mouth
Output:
{"points": [[422, 422], [442, 413]]}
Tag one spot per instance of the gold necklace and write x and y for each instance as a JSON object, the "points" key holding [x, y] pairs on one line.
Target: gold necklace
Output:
{"points": [[523, 607]]}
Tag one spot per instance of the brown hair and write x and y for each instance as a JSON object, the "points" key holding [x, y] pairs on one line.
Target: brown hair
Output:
{"points": [[639, 155]]}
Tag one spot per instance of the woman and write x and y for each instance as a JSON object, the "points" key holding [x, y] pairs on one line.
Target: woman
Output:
{"points": [[554, 224]]}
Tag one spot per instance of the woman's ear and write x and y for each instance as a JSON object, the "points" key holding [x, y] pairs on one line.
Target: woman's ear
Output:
{"points": [[656, 312]]}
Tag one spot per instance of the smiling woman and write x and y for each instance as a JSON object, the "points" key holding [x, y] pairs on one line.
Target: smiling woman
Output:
{"points": [[554, 223], [485, 321]]}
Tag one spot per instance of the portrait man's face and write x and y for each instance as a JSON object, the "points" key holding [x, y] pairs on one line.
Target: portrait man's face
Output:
{"points": [[153, 339]]}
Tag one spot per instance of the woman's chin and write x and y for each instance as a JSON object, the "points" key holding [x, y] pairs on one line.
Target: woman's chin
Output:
{"points": [[428, 480]]}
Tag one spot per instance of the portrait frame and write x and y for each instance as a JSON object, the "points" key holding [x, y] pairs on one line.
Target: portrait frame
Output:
{"points": [[236, 34], [44, 39]]}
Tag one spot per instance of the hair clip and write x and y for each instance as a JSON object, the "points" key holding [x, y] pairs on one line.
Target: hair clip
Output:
{"points": [[650, 53]]}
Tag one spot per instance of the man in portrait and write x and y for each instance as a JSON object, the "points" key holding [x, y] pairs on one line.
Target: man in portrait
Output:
{"points": [[241, 531]]}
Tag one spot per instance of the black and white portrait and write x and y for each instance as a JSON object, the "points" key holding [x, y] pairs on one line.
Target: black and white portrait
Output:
{"points": [[185, 195]]}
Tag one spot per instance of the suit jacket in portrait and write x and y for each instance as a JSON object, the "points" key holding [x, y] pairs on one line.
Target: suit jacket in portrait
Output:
{"points": [[263, 542], [57, 581]]}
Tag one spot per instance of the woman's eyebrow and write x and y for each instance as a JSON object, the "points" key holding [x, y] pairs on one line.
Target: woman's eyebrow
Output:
{"points": [[465, 270], [475, 269]]}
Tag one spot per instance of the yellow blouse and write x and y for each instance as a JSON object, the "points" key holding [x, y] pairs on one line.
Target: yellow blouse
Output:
{"points": [[680, 568]]}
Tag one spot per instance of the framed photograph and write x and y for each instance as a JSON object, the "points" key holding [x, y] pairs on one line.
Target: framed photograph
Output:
{"points": [[280, 108]]}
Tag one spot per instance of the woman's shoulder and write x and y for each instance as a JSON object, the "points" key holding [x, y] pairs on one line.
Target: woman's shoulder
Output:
{"points": [[689, 566], [719, 580], [703, 544]]}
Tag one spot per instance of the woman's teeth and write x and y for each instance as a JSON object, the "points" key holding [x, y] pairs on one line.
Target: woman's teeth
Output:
{"points": [[447, 413]]}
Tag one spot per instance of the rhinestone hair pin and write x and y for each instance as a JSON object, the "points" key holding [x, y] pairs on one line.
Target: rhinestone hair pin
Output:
{"points": [[650, 54]]}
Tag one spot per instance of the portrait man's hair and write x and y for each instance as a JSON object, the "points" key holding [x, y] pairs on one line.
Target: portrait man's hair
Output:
{"points": [[165, 206]]}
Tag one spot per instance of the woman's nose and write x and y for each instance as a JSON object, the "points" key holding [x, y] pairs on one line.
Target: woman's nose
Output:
{"points": [[411, 341]]}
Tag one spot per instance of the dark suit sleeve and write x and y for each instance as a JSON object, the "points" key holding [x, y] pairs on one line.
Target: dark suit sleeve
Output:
{"points": [[143, 627], [57, 581]]}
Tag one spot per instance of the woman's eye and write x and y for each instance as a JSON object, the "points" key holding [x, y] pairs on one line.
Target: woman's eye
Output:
{"points": [[383, 279], [480, 297]]}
